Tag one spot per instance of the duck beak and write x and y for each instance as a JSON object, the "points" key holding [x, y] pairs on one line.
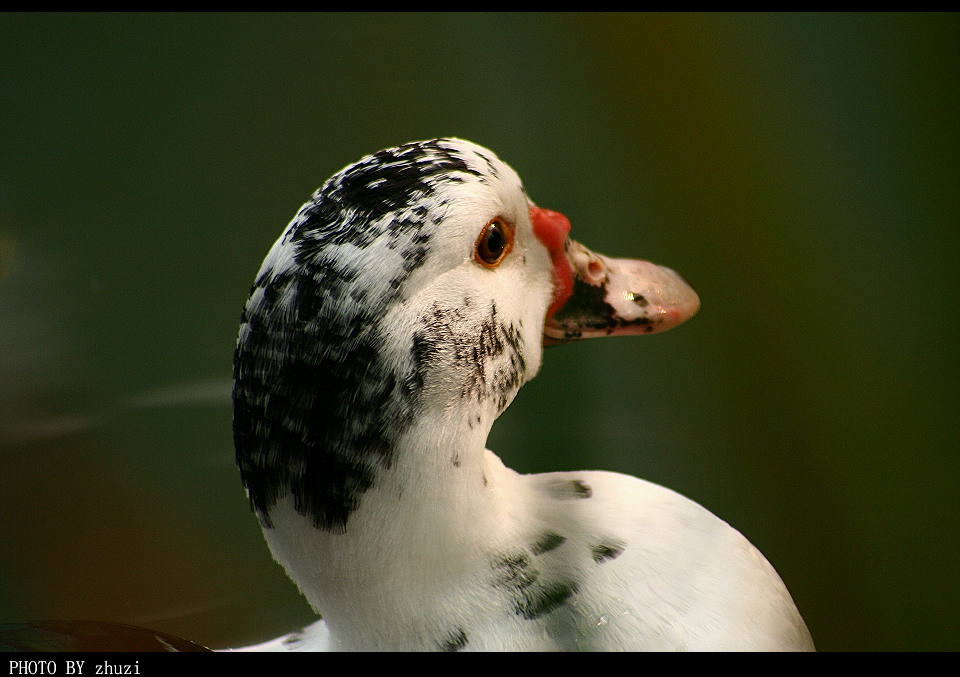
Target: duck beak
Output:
{"points": [[595, 295]]}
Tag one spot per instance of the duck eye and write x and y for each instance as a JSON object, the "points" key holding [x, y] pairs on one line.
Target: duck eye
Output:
{"points": [[495, 241]]}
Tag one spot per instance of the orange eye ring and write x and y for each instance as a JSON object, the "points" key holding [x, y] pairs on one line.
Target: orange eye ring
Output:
{"points": [[494, 243]]}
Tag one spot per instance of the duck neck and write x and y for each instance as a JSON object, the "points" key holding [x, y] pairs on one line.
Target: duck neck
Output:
{"points": [[362, 451], [421, 536]]}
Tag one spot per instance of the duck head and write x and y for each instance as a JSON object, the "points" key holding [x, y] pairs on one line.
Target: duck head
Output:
{"points": [[420, 278], [390, 324]]}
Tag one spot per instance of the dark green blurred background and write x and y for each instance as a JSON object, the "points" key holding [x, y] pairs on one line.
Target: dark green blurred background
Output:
{"points": [[801, 171]]}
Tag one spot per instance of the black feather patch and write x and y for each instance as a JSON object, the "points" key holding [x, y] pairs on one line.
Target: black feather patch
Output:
{"points": [[488, 356], [318, 407], [532, 597], [549, 541], [604, 552], [569, 489], [456, 641]]}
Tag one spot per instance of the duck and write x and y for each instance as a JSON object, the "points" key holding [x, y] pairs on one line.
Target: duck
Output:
{"points": [[390, 324]]}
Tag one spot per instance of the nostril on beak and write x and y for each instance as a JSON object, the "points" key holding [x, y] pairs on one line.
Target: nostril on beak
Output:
{"points": [[595, 271]]}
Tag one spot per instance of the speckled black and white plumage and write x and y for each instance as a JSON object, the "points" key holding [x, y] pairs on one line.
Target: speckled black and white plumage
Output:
{"points": [[320, 397], [378, 345]]}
